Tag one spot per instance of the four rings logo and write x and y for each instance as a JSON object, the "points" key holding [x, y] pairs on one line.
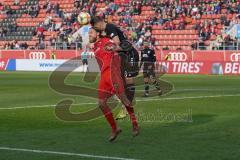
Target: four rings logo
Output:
{"points": [[177, 56], [235, 57], [2, 64], [37, 55]]}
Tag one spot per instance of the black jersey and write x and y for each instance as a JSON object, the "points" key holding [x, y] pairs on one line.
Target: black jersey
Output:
{"points": [[147, 59], [148, 56], [112, 31], [130, 56]]}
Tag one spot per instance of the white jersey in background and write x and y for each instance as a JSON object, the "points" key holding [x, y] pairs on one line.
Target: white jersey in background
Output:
{"points": [[84, 33]]}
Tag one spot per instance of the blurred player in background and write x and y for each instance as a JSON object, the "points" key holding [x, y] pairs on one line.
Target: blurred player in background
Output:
{"points": [[84, 19], [148, 60], [84, 57], [111, 82], [128, 53]]}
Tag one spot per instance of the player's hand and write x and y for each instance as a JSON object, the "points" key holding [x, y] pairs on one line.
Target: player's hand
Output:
{"points": [[126, 46], [110, 47]]}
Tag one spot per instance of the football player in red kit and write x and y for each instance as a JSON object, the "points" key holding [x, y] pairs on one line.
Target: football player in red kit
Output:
{"points": [[111, 81]]}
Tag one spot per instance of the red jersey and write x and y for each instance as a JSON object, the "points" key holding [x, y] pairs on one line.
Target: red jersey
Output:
{"points": [[103, 56], [109, 62]]}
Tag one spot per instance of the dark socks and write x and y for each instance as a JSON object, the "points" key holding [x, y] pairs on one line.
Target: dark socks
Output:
{"points": [[146, 87], [157, 85]]}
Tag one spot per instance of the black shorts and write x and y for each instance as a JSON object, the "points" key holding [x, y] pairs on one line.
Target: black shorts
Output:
{"points": [[149, 71], [85, 62], [129, 64]]}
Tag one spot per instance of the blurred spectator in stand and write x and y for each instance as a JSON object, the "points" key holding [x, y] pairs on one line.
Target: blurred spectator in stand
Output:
{"points": [[93, 9], [76, 4], [16, 45], [56, 9], [8, 10], [23, 45], [166, 48], [48, 6], [39, 33], [47, 22], [1, 31], [16, 2], [140, 41]]}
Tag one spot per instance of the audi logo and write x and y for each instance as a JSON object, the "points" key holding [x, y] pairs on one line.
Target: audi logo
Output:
{"points": [[37, 55], [235, 57], [2, 64], [177, 56]]}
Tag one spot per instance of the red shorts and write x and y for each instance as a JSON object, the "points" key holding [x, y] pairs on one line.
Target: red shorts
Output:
{"points": [[111, 82]]}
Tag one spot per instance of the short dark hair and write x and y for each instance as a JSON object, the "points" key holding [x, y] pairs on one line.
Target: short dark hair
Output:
{"points": [[96, 20], [95, 29]]}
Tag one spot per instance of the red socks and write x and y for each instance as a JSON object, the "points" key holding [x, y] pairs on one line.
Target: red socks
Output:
{"points": [[109, 116], [130, 111]]}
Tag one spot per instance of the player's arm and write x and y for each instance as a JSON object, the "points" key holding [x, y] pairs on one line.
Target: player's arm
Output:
{"points": [[120, 46], [76, 35], [153, 56], [114, 37], [116, 41]]}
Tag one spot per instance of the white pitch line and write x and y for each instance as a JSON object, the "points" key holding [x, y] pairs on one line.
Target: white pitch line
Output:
{"points": [[63, 153], [44, 106], [138, 100], [182, 98], [206, 89]]}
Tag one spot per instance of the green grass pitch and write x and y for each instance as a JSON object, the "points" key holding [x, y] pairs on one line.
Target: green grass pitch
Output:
{"points": [[200, 119]]}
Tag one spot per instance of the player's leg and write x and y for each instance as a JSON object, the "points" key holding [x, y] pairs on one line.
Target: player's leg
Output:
{"points": [[109, 117], [130, 111], [130, 93], [155, 81], [123, 112], [104, 92], [85, 65], [157, 86], [119, 86], [146, 82], [133, 118], [129, 108], [130, 88], [146, 87], [130, 69]]}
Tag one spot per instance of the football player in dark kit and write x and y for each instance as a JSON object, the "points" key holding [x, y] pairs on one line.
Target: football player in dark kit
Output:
{"points": [[129, 56], [148, 60]]}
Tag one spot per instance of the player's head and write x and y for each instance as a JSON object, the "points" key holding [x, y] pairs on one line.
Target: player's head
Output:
{"points": [[98, 23], [93, 35], [145, 44]]}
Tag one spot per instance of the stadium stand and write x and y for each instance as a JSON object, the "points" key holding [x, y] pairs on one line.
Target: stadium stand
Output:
{"points": [[167, 24]]}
